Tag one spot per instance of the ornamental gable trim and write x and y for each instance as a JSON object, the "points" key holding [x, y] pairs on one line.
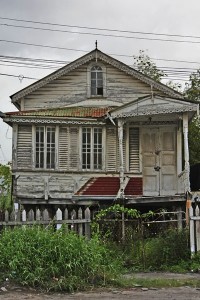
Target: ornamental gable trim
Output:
{"points": [[97, 55]]}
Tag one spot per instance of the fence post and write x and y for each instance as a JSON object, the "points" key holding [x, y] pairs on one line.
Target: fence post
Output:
{"points": [[66, 217], [87, 224], [73, 217], [38, 215], [23, 215], [179, 218], [192, 239], [197, 228], [80, 225], [58, 218], [123, 228]]}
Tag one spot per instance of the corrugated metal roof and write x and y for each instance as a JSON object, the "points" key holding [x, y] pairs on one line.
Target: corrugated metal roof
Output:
{"points": [[109, 186], [78, 112]]}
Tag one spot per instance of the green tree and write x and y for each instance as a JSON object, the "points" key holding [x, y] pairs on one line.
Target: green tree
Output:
{"points": [[192, 92], [144, 64], [5, 187], [192, 89]]}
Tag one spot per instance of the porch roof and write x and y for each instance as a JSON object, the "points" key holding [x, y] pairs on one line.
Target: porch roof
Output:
{"points": [[77, 112], [154, 105]]}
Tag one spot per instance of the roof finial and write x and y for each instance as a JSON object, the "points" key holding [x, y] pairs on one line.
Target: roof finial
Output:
{"points": [[96, 44]]}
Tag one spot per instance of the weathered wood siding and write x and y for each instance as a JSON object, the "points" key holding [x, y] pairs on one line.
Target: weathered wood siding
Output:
{"points": [[68, 89], [24, 147], [72, 89], [134, 150]]}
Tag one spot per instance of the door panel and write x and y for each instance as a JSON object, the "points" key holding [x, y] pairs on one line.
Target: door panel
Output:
{"points": [[149, 161], [168, 176], [159, 161]]}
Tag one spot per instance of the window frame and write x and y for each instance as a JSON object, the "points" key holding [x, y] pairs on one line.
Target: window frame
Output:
{"points": [[92, 148], [89, 80], [34, 143]]}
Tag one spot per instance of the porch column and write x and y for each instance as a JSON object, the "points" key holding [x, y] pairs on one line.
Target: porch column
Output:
{"points": [[121, 158], [186, 152]]}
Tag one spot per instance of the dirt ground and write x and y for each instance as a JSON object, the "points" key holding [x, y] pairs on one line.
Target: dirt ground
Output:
{"points": [[10, 292]]}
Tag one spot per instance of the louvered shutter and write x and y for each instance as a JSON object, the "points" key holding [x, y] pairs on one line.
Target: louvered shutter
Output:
{"points": [[134, 151], [73, 148], [64, 148], [24, 147], [111, 149]]}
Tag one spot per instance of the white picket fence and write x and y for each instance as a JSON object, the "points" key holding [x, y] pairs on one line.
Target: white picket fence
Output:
{"points": [[194, 217], [78, 221]]}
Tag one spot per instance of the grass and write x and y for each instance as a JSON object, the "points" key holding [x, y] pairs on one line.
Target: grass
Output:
{"points": [[155, 283], [55, 260]]}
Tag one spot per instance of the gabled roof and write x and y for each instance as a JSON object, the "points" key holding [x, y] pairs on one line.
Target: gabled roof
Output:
{"points": [[76, 112], [153, 105], [95, 54]]}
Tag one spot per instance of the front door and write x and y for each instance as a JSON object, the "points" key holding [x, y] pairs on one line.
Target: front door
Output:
{"points": [[159, 161]]}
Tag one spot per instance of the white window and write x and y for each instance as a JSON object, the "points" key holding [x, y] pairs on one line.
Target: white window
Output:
{"points": [[96, 80], [92, 148], [45, 147]]}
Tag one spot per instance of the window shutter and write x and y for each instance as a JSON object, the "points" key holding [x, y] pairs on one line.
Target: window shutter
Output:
{"points": [[24, 147], [73, 148], [111, 149], [134, 153], [64, 148]]}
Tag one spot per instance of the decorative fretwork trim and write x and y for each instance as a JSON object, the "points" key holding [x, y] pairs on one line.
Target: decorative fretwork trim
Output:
{"points": [[53, 76], [51, 121], [148, 112], [105, 58], [130, 71]]}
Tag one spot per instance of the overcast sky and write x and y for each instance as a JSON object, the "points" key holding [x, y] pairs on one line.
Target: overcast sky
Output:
{"points": [[178, 17]]}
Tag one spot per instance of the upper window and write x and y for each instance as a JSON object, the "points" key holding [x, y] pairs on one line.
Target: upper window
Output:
{"points": [[45, 146], [96, 81], [91, 148]]}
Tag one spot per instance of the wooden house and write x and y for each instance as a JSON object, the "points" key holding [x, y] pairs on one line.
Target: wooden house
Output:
{"points": [[97, 131]]}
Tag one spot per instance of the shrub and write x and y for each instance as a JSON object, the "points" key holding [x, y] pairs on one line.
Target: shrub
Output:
{"points": [[55, 260], [161, 252]]}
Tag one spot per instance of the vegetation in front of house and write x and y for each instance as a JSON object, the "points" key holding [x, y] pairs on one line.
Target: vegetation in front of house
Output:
{"points": [[5, 187], [145, 246], [60, 260], [55, 260]]}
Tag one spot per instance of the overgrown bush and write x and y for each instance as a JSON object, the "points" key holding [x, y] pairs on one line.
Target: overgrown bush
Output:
{"points": [[55, 260], [162, 252]]}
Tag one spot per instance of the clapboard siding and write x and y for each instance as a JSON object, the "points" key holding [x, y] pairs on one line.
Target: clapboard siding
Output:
{"points": [[24, 147], [73, 149], [111, 149], [72, 88], [64, 148], [68, 89], [134, 163]]}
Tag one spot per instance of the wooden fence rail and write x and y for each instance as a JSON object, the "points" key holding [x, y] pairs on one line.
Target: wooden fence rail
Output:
{"points": [[77, 221]]}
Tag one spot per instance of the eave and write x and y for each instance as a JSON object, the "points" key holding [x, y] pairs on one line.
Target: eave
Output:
{"points": [[95, 54]]}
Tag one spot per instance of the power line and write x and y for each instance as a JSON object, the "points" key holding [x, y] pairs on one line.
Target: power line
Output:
{"points": [[100, 29], [18, 76], [44, 63], [100, 34], [79, 50]]}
